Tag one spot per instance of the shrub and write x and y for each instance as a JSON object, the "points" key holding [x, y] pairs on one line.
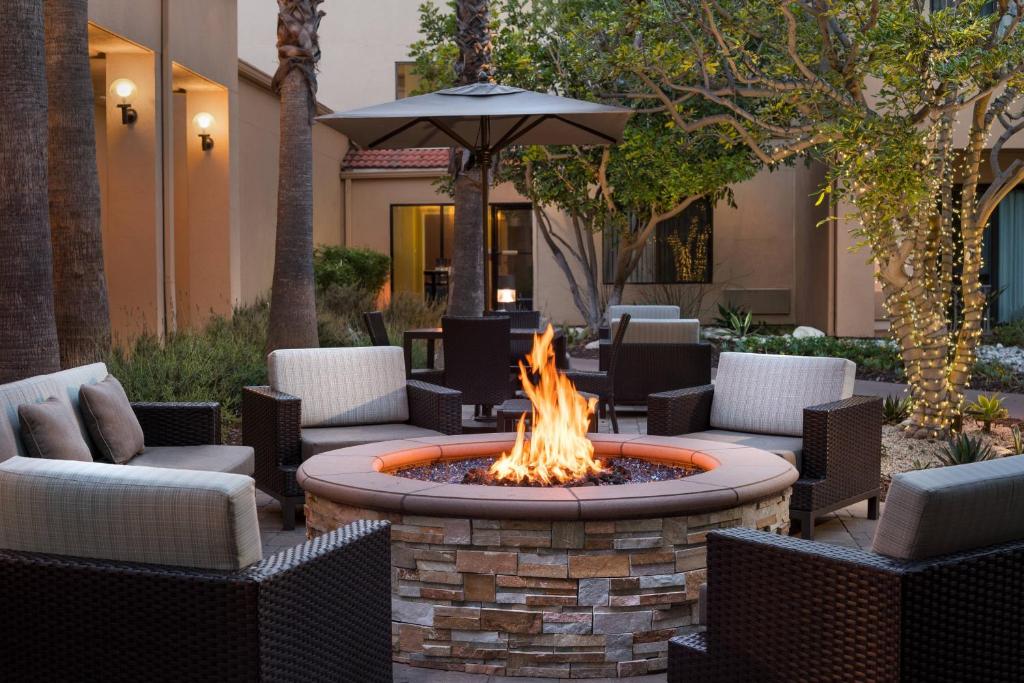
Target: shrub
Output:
{"points": [[963, 450], [986, 410], [1011, 334], [895, 409], [335, 266], [871, 354]]}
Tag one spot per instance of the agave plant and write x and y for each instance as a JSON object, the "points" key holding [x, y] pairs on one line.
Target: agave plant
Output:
{"points": [[1018, 440], [895, 409], [986, 410], [737, 322], [963, 449]]}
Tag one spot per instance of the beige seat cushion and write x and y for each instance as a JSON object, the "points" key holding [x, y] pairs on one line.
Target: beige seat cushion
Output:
{"points": [[767, 394], [789, 448], [135, 514], [112, 424], [660, 331], [63, 384], [322, 439], [49, 430], [343, 386], [208, 458], [946, 510], [643, 312]]}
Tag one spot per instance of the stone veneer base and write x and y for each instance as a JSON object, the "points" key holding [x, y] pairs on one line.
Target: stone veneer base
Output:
{"points": [[567, 599]]}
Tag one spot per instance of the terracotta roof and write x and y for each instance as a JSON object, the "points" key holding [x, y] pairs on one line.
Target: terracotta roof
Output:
{"points": [[424, 157]]}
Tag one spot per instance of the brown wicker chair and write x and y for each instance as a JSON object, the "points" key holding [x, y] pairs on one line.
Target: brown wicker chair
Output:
{"points": [[649, 368], [374, 321], [476, 354], [839, 453], [603, 383], [519, 320]]}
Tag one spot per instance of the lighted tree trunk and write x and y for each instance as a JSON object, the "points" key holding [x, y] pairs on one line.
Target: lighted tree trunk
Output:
{"points": [[293, 321], [28, 333], [79, 284]]}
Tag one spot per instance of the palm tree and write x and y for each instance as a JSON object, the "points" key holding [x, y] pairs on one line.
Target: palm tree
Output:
{"points": [[292, 299], [474, 66], [28, 333], [79, 285]]}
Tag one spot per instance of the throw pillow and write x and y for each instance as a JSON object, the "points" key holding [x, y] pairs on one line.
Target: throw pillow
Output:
{"points": [[49, 430], [112, 424]]}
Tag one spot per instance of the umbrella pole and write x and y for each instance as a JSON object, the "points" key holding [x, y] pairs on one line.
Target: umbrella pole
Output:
{"points": [[484, 154]]}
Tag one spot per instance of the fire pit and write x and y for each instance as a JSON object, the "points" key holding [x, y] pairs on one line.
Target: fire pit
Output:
{"points": [[546, 580]]}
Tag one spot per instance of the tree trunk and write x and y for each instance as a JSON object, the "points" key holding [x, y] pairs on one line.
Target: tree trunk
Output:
{"points": [[79, 284], [28, 333], [466, 297], [293, 321], [293, 298]]}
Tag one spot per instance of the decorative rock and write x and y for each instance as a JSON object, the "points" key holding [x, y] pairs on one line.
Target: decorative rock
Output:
{"points": [[805, 331]]}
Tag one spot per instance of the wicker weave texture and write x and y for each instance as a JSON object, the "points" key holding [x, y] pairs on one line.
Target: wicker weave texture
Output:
{"points": [[179, 424]]}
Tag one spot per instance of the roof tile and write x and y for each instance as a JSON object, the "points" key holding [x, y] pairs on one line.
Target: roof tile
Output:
{"points": [[424, 157]]}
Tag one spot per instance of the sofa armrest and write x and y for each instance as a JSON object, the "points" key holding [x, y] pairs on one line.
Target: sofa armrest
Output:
{"points": [[327, 605], [435, 407], [272, 426], [682, 411], [831, 613], [843, 446], [179, 424]]}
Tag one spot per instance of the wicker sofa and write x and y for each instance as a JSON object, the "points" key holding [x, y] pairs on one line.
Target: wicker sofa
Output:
{"points": [[802, 409], [164, 580], [657, 355], [177, 435], [939, 598], [324, 399]]}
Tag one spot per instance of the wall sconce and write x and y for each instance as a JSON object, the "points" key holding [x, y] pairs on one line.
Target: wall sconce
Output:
{"points": [[125, 88], [204, 121]]}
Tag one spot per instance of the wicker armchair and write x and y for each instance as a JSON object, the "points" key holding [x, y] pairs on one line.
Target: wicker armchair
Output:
{"points": [[274, 426], [476, 359], [838, 455], [518, 320], [646, 368], [944, 603]]}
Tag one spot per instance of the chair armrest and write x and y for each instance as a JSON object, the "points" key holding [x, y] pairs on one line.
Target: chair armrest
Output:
{"points": [[435, 407], [831, 613], [179, 424], [843, 446], [271, 425], [327, 605], [682, 411]]}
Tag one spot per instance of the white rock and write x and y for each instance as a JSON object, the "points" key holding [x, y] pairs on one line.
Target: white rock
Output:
{"points": [[593, 345], [805, 331]]}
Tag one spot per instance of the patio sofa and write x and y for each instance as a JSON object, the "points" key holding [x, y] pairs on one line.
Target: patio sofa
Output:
{"points": [[637, 312], [112, 573], [323, 399], [176, 435], [940, 597], [657, 355], [799, 408]]}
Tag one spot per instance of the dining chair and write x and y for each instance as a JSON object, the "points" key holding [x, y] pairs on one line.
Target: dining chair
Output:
{"points": [[476, 354], [374, 321], [526, 320], [602, 382]]}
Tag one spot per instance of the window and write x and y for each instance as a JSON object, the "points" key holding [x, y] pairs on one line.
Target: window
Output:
{"points": [[679, 252], [406, 81], [938, 5], [511, 243]]}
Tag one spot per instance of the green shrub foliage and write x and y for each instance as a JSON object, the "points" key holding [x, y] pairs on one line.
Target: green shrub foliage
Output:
{"points": [[335, 266]]}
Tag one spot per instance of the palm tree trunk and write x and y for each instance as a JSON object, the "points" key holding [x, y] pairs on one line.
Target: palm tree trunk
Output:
{"points": [[468, 289], [28, 333], [80, 287], [293, 298]]}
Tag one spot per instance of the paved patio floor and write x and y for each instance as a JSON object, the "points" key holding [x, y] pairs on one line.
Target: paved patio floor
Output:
{"points": [[848, 527]]}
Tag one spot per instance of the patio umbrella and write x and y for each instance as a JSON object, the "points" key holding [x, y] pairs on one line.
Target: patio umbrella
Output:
{"points": [[483, 118]]}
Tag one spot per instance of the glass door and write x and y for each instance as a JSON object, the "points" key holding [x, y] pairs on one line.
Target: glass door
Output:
{"points": [[511, 257], [421, 238]]}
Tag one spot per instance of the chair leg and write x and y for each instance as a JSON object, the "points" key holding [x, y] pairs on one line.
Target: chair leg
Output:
{"points": [[873, 507], [287, 514], [611, 414], [806, 525]]}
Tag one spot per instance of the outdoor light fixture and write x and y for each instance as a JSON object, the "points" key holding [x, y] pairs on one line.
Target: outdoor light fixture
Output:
{"points": [[125, 88], [204, 121], [506, 293]]}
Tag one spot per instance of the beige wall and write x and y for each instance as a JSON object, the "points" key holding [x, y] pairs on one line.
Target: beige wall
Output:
{"points": [[259, 131]]}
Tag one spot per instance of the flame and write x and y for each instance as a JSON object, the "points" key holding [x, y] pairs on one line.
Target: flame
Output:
{"points": [[558, 450]]}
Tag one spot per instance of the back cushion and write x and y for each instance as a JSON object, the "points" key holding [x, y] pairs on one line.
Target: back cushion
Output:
{"points": [[135, 514], [344, 386], [952, 509], [767, 394], [652, 331], [63, 385], [639, 312]]}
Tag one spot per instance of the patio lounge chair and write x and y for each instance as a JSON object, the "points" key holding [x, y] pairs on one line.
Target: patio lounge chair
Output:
{"points": [[799, 408], [939, 598], [637, 312], [162, 579], [603, 382], [324, 399]]}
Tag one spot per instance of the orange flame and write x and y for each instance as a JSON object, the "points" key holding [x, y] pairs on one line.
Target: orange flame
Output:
{"points": [[558, 450]]}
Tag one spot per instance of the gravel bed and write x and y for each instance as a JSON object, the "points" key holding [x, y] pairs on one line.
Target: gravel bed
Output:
{"points": [[623, 471], [900, 454]]}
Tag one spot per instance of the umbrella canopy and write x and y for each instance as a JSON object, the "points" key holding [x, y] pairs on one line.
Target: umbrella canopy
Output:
{"points": [[481, 116]]}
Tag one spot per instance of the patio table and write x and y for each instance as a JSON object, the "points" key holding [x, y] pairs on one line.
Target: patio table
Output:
{"points": [[432, 334]]}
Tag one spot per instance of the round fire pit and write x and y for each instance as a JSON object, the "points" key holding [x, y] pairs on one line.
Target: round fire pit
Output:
{"points": [[583, 581]]}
